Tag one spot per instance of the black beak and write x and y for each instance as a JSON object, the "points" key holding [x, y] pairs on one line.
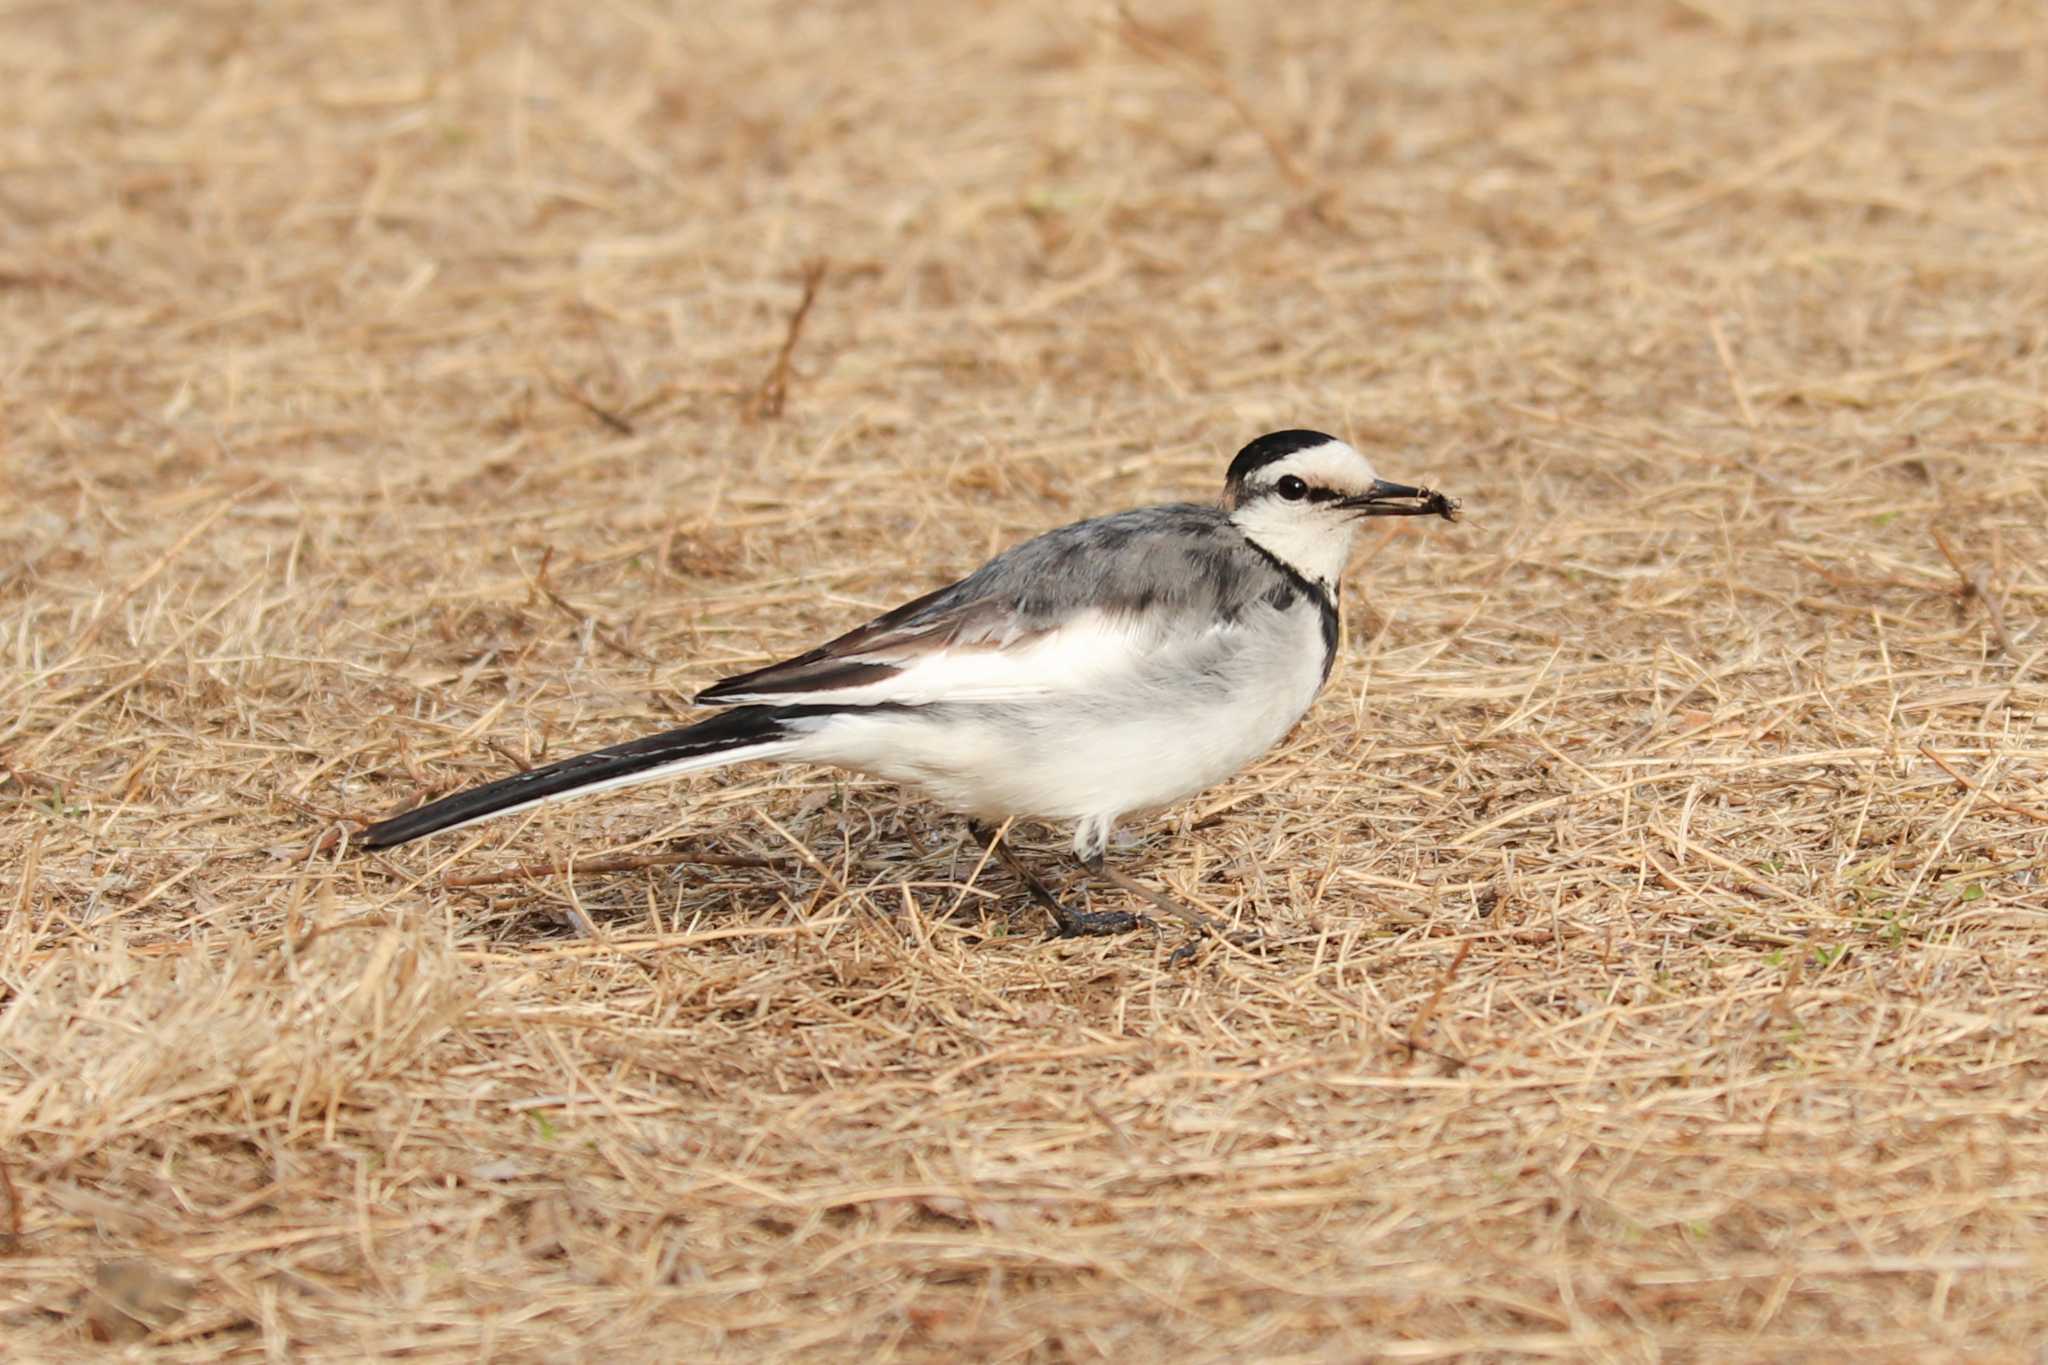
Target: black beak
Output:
{"points": [[1385, 499]]}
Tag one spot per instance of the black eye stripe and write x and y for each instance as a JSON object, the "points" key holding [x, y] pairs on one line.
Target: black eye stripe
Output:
{"points": [[1294, 488]]}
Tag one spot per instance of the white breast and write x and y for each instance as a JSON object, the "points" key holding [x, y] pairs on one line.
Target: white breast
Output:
{"points": [[1125, 739]]}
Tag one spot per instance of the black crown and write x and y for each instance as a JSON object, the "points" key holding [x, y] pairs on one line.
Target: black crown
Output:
{"points": [[1274, 445]]}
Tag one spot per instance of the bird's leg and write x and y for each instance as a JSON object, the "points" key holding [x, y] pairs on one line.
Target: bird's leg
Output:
{"points": [[1068, 923], [1199, 921]]}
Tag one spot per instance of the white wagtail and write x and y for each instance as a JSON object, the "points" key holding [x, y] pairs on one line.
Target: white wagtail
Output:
{"points": [[1112, 666]]}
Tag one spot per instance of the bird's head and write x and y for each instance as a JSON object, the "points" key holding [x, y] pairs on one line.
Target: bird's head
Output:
{"points": [[1300, 495]]}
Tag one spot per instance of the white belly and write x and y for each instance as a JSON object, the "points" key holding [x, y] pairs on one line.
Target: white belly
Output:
{"points": [[1153, 739]]}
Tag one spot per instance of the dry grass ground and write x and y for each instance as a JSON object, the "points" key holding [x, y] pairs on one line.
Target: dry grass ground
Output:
{"points": [[1658, 892]]}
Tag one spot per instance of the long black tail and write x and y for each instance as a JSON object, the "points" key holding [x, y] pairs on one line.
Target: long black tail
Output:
{"points": [[744, 732]]}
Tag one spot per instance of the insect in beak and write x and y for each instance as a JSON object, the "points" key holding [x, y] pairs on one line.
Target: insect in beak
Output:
{"points": [[1386, 499]]}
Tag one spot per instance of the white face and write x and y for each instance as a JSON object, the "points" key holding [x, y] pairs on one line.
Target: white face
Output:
{"points": [[1318, 477], [1294, 508]]}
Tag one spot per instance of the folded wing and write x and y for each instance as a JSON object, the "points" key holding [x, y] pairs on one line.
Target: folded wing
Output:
{"points": [[1073, 609]]}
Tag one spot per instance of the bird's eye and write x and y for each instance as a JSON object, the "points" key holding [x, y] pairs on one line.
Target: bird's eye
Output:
{"points": [[1291, 488]]}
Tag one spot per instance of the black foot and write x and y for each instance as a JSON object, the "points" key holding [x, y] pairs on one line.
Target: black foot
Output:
{"points": [[1085, 923], [1202, 923], [1066, 923]]}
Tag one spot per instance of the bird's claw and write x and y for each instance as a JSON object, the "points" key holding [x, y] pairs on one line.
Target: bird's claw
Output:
{"points": [[1091, 923]]}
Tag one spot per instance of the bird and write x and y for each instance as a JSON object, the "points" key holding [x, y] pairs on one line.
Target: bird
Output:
{"points": [[1107, 668]]}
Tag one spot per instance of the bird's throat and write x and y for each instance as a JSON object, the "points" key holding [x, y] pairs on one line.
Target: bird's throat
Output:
{"points": [[1316, 553]]}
